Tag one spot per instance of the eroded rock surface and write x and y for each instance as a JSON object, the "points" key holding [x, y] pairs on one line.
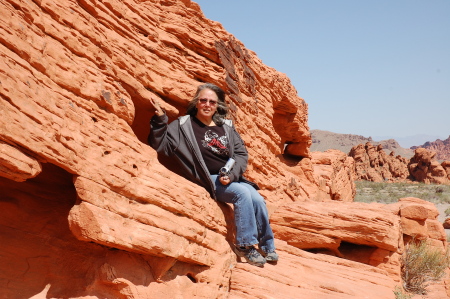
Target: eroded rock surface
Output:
{"points": [[334, 171], [440, 147], [86, 207], [373, 164], [424, 167], [325, 140], [373, 234]]}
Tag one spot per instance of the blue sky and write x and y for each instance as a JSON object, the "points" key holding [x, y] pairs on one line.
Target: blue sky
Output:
{"points": [[375, 68]]}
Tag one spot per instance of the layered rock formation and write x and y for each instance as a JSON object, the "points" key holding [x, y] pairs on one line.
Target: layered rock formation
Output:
{"points": [[424, 167], [373, 164], [334, 171], [373, 234], [87, 209], [325, 140], [441, 147], [446, 166]]}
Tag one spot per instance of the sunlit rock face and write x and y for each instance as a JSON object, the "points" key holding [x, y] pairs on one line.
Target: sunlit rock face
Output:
{"points": [[86, 207], [373, 164], [424, 167], [441, 147], [335, 172]]}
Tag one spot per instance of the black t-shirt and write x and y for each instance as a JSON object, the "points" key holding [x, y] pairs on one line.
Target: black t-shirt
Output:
{"points": [[213, 144]]}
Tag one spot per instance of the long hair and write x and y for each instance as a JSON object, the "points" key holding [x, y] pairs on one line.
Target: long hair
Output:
{"points": [[222, 107]]}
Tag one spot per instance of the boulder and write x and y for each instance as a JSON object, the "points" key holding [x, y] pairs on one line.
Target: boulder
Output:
{"points": [[334, 172], [446, 223], [17, 166], [424, 167], [373, 164], [89, 210], [446, 166], [440, 147], [355, 223]]}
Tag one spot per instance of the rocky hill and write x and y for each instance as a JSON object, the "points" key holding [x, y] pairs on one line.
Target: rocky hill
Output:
{"points": [[371, 163], [324, 140], [88, 211], [441, 147]]}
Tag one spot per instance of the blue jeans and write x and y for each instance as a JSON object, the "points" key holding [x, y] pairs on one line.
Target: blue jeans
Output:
{"points": [[250, 214]]}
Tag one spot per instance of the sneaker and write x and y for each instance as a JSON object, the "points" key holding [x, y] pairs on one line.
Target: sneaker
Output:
{"points": [[251, 255], [271, 256]]}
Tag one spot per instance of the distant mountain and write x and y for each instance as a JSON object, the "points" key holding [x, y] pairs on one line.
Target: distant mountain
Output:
{"points": [[441, 147], [409, 141], [324, 140]]}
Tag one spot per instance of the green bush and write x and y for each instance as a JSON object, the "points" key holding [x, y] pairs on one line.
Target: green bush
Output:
{"points": [[385, 192], [400, 294], [422, 264]]}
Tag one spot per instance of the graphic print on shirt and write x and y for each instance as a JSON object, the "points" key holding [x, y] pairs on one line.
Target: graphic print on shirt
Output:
{"points": [[216, 144]]}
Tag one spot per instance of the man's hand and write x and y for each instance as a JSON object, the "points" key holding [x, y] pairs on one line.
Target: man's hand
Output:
{"points": [[158, 110], [224, 180]]}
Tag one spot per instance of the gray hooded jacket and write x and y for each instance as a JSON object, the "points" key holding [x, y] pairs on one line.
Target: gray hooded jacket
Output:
{"points": [[177, 141]]}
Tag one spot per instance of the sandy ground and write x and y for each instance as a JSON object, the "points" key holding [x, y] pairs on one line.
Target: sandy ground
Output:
{"points": [[441, 208]]}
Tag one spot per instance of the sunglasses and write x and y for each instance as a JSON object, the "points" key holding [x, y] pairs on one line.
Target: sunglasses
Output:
{"points": [[205, 101]]}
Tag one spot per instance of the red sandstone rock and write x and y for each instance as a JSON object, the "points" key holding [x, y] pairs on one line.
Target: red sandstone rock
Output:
{"points": [[440, 147], [446, 223], [423, 167], [415, 212], [446, 166], [419, 220], [334, 172], [17, 166], [298, 149], [325, 140], [86, 208], [373, 164], [356, 223], [414, 228], [372, 234], [327, 278], [436, 230], [416, 208]]}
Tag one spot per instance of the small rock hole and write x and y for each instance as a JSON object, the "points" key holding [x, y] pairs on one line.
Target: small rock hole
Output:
{"points": [[191, 277]]}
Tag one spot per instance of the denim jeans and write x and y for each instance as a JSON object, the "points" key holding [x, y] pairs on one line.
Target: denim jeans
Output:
{"points": [[250, 214]]}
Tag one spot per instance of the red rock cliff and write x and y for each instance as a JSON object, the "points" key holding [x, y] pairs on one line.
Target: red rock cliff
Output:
{"points": [[87, 210]]}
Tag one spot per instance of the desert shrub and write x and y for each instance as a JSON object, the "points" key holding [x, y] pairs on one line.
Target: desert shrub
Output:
{"points": [[384, 192], [422, 264], [400, 294], [447, 212]]}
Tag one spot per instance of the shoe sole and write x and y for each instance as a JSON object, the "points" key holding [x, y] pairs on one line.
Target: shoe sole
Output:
{"points": [[268, 259], [271, 261], [243, 259]]}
